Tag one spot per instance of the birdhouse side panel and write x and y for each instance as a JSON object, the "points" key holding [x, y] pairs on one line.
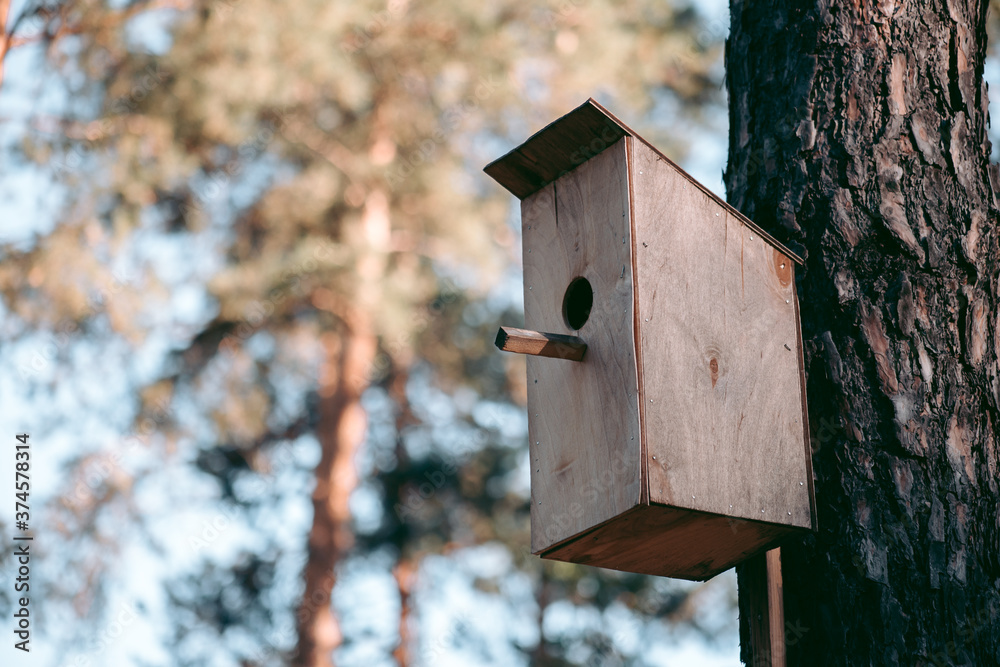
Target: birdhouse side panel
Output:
{"points": [[720, 348], [583, 417]]}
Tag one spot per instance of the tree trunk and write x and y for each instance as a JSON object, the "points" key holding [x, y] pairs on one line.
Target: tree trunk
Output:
{"points": [[540, 654], [405, 574], [350, 357], [858, 136], [340, 432], [4, 37]]}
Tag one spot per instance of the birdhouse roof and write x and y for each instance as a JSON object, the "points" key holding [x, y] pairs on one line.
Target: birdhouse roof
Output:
{"points": [[568, 142]]}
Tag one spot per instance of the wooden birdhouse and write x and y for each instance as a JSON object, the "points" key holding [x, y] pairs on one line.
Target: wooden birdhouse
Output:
{"points": [[666, 399]]}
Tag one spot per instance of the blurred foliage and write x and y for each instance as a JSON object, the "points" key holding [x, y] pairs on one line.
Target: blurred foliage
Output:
{"points": [[239, 177]]}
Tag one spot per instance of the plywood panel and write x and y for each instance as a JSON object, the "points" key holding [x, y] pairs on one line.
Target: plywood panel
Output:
{"points": [[722, 398], [574, 138], [556, 149], [583, 417], [670, 542]]}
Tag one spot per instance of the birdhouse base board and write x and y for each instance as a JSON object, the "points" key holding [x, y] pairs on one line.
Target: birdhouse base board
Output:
{"points": [[670, 542]]}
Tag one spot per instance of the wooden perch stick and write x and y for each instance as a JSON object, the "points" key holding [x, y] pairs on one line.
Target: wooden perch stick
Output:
{"points": [[556, 346]]}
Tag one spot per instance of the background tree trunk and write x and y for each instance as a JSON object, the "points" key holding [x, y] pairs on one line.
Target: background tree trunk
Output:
{"points": [[405, 574], [347, 371], [4, 37], [858, 136], [340, 432]]}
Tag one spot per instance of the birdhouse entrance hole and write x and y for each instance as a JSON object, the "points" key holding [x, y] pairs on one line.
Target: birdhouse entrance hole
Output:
{"points": [[577, 303]]}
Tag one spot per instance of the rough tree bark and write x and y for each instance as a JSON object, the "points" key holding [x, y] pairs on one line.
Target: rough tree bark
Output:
{"points": [[858, 136]]}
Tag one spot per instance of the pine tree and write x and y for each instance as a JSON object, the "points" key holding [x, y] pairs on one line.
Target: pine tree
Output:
{"points": [[859, 135]]}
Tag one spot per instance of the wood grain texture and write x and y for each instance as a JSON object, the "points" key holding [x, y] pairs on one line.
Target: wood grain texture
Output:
{"points": [[555, 346], [556, 149], [721, 383], [762, 610], [670, 542], [775, 607], [583, 418], [570, 140]]}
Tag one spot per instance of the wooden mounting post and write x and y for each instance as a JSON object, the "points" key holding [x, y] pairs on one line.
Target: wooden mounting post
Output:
{"points": [[762, 610], [557, 346]]}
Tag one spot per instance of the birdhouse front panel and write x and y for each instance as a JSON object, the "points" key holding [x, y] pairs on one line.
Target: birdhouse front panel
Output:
{"points": [[583, 417]]}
